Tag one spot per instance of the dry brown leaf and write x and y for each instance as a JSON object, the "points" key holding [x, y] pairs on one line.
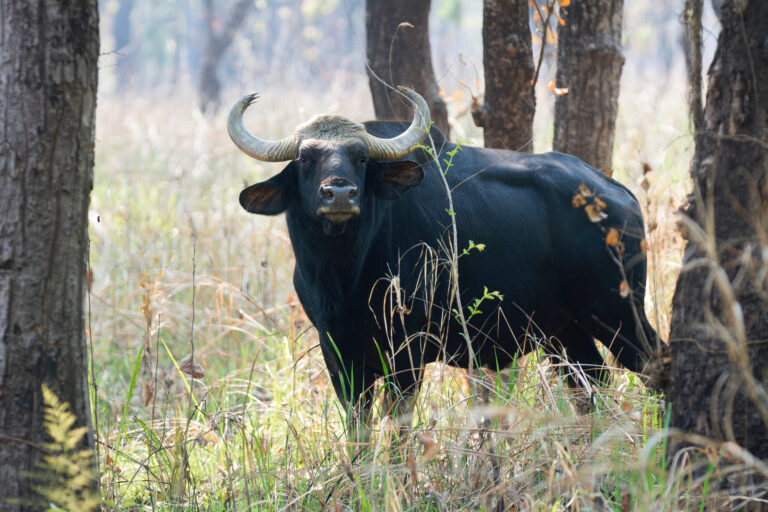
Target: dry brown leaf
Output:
{"points": [[412, 468], [149, 393], [612, 238], [644, 245], [594, 212], [89, 278], [578, 201], [557, 91], [624, 289], [430, 445], [564, 3], [191, 367]]}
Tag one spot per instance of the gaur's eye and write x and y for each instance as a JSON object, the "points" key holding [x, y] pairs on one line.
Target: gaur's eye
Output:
{"points": [[363, 159], [303, 159]]}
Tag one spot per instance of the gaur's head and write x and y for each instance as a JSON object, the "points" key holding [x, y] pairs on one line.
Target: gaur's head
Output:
{"points": [[335, 168]]}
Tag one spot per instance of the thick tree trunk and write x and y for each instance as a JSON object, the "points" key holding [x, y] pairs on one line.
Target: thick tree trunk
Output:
{"points": [[589, 62], [217, 40], [397, 34], [48, 72], [719, 332], [507, 114]]}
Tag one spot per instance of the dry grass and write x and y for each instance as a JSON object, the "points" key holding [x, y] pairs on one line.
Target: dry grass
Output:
{"points": [[179, 268]]}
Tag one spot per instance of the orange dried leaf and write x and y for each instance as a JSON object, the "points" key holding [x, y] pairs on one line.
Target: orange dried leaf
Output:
{"points": [[191, 367], [612, 238], [644, 245], [578, 201], [430, 445], [595, 213], [600, 203], [557, 91], [626, 407], [584, 190], [564, 3], [624, 289]]}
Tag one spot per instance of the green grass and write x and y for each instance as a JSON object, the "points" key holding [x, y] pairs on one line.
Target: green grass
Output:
{"points": [[179, 267]]}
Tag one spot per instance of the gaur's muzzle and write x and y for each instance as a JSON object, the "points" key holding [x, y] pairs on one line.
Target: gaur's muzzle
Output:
{"points": [[339, 201]]}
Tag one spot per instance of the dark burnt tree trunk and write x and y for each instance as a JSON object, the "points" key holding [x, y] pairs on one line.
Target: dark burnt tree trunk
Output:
{"points": [[48, 72], [218, 36], [397, 35], [589, 62], [121, 31], [507, 113], [719, 333]]}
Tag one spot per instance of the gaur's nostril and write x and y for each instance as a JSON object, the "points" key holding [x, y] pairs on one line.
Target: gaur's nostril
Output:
{"points": [[327, 192], [352, 193]]}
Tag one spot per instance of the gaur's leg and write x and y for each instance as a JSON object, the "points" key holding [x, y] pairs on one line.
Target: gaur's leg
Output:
{"points": [[353, 384], [621, 325], [579, 349]]}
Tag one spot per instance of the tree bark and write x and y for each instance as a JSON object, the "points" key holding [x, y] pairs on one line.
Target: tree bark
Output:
{"points": [[48, 72], [589, 62], [398, 51], [510, 103], [217, 40], [719, 331]]}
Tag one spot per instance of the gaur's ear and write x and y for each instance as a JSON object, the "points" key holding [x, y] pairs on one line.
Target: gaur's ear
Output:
{"points": [[390, 180], [270, 197]]}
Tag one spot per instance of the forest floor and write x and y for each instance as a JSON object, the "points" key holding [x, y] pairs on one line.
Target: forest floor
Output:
{"points": [[179, 269]]}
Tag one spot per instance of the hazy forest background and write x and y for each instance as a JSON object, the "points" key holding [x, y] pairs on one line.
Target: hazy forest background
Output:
{"points": [[176, 263], [177, 268]]}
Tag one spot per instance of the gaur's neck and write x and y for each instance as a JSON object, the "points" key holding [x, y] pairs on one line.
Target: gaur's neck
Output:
{"points": [[337, 262]]}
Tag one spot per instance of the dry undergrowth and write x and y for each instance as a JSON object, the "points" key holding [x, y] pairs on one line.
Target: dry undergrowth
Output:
{"points": [[179, 269]]}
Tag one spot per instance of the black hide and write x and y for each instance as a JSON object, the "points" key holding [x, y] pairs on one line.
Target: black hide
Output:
{"points": [[561, 283]]}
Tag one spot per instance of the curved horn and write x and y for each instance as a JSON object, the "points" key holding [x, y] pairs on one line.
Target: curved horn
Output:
{"points": [[391, 149], [266, 150]]}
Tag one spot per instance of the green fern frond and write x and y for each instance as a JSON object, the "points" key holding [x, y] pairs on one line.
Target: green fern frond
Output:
{"points": [[65, 479]]}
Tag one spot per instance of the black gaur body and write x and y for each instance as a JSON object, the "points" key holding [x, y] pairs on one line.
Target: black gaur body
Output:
{"points": [[372, 241]]}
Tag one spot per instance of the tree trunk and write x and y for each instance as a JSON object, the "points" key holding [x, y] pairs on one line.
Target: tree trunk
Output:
{"points": [[217, 40], [507, 114], [719, 331], [121, 30], [48, 74], [398, 51], [589, 62]]}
